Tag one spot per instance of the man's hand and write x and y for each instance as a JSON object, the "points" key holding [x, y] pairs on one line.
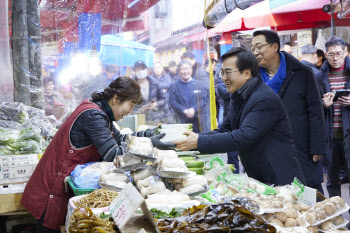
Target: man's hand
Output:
{"points": [[191, 142], [328, 99], [316, 158], [143, 109], [191, 112], [344, 101]]}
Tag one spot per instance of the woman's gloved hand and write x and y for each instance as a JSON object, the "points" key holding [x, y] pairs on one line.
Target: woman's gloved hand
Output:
{"points": [[161, 145]]}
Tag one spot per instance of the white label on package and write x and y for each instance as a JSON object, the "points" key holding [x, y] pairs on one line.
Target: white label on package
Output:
{"points": [[124, 205], [309, 196]]}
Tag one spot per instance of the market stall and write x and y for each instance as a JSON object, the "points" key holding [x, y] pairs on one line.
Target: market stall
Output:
{"points": [[176, 191]]}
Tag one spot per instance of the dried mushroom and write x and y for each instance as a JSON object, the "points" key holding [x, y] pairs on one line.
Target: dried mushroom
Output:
{"points": [[291, 213], [277, 204], [313, 229], [301, 222], [290, 222], [281, 216], [320, 214], [310, 217], [326, 226], [277, 222], [330, 208], [338, 200], [338, 220]]}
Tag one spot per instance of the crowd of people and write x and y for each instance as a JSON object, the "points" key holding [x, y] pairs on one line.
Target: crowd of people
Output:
{"points": [[306, 115]]}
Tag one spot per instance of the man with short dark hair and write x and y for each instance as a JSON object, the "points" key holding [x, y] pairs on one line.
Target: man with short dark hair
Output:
{"points": [[257, 124], [335, 76], [198, 72], [297, 88], [172, 68], [287, 47]]}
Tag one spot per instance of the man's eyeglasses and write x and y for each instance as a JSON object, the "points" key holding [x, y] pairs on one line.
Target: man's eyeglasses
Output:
{"points": [[258, 48], [226, 74], [333, 55]]}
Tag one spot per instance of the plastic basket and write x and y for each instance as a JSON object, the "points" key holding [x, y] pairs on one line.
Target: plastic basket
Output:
{"points": [[78, 191]]}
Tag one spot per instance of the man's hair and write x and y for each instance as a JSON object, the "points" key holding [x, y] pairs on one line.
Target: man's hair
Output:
{"points": [[308, 49], [335, 41], [347, 46], [183, 62], [271, 37], [110, 69], [245, 60], [46, 80], [188, 54], [206, 63], [283, 43]]}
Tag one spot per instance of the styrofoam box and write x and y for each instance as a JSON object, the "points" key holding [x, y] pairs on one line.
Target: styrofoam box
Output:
{"points": [[17, 168]]}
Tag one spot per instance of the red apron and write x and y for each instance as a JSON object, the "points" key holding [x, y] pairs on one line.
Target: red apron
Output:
{"points": [[45, 189]]}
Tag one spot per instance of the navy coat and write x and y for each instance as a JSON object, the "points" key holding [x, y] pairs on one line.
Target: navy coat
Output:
{"points": [[301, 98], [258, 127], [325, 87], [197, 99]]}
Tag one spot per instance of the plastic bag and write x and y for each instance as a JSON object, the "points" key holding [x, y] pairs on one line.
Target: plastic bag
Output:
{"points": [[13, 112], [25, 147], [87, 175]]}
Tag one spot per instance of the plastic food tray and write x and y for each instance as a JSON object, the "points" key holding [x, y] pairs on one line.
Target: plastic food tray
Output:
{"points": [[346, 222], [151, 157], [206, 189], [110, 187], [132, 167], [337, 213], [78, 191], [173, 174]]}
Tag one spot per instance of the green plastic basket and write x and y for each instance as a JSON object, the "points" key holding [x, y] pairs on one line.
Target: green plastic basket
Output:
{"points": [[78, 191]]}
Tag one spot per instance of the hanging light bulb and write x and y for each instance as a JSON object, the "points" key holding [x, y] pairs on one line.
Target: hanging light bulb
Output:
{"points": [[95, 67]]}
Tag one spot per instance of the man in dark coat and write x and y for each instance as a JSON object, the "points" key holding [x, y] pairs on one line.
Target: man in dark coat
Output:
{"points": [[187, 98], [295, 84], [257, 124], [335, 76]]}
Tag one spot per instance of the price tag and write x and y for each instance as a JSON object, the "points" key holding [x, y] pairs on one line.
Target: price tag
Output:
{"points": [[124, 205], [309, 196]]}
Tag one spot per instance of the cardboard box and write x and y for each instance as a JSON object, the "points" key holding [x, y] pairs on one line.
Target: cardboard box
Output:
{"points": [[17, 168], [10, 202]]}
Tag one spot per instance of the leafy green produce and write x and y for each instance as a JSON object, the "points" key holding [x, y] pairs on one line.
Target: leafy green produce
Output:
{"points": [[32, 132], [174, 213], [13, 114], [8, 136], [25, 147], [104, 215], [186, 158]]}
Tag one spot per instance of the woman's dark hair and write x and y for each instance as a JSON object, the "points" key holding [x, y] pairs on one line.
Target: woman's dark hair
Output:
{"points": [[320, 53], [271, 37], [245, 60], [124, 87]]}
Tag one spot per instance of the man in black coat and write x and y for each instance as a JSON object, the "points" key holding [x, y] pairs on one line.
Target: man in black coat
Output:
{"points": [[187, 98], [257, 124], [295, 84]]}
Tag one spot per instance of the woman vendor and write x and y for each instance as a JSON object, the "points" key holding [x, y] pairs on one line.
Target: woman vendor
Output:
{"points": [[88, 135]]}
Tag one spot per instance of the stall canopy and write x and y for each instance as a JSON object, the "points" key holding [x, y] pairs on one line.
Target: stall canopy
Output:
{"points": [[280, 15], [117, 51], [116, 15]]}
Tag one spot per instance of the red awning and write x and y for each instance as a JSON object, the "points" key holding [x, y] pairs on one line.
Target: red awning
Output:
{"points": [[296, 15]]}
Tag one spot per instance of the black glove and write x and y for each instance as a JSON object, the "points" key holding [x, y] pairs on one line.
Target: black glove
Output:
{"points": [[161, 145]]}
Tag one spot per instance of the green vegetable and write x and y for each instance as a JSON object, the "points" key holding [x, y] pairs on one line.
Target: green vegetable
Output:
{"points": [[104, 215], [8, 136], [13, 114], [174, 213], [31, 132], [199, 171], [25, 147], [194, 164], [186, 158]]}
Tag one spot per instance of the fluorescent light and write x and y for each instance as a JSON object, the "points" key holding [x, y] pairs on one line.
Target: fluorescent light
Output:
{"points": [[133, 3]]}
